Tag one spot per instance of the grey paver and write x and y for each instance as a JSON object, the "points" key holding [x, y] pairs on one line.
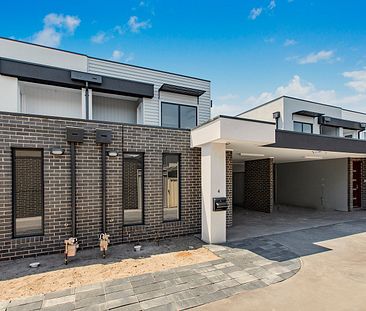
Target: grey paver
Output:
{"points": [[22, 301], [26, 307], [88, 287], [116, 288], [151, 295], [60, 293], [3, 304], [148, 304], [111, 304], [89, 301], [132, 307], [172, 306], [58, 301], [62, 307], [89, 293], [120, 294]]}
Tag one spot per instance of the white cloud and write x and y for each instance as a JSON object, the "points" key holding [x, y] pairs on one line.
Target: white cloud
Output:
{"points": [[136, 26], [272, 4], [254, 13], [99, 37], [117, 55], [228, 96], [289, 42], [313, 58], [296, 87], [55, 27], [358, 80]]}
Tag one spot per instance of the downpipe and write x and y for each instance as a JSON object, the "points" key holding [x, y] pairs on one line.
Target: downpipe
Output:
{"points": [[104, 137], [74, 135]]}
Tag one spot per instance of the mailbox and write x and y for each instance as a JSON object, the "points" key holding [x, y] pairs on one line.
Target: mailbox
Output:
{"points": [[103, 136], [74, 135], [219, 204]]}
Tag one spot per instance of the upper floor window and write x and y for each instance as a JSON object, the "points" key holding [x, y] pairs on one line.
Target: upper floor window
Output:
{"points": [[303, 127], [178, 116], [329, 130]]}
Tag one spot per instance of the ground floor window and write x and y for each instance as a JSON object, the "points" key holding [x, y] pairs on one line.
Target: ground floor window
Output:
{"points": [[171, 187], [27, 192], [133, 188]]}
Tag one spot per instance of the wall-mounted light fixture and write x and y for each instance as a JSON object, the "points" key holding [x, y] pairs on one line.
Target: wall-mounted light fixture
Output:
{"points": [[112, 153], [57, 151]]}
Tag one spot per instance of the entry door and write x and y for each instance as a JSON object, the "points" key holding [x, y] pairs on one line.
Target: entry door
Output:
{"points": [[356, 183]]}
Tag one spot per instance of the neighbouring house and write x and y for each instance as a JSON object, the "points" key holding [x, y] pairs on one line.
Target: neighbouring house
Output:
{"points": [[91, 146]]}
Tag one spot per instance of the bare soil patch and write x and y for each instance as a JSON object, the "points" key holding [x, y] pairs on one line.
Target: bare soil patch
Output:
{"points": [[51, 281]]}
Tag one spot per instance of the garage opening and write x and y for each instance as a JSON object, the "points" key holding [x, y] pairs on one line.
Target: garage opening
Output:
{"points": [[272, 197]]}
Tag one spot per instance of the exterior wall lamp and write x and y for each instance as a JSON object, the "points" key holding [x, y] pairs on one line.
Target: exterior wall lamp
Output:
{"points": [[112, 153], [57, 151]]}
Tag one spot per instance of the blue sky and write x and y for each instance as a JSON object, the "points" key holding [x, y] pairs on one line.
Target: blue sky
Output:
{"points": [[251, 50]]}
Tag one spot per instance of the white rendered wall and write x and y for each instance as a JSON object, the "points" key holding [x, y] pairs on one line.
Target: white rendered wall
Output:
{"points": [[42, 55], [9, 94], [50, 100], [265, 112], [213, 171], [321, 184]]}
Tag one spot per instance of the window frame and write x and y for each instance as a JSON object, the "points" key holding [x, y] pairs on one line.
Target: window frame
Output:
{"points": [[13, 189], [179, 187], [302, 127], [142, 223], [179, 114]]}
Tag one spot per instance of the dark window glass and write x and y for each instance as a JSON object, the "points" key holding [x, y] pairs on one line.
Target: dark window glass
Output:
{"points": [[28, 192], [297, 127], [328, 130], [171, 187], [133, 188], [178, 116], [303, 127], [170, 115], [188, 116], [307, 128]]}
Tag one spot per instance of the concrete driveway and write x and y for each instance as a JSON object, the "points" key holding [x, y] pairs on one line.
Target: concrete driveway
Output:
{"points": [[332, 277]]}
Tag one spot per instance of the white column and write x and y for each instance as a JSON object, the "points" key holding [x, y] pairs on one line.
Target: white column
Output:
{"points": [[213, 171]]}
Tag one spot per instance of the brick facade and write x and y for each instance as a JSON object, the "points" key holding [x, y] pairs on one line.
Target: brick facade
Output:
{"points": [[24, 131], [258, 185], [350, 183], [229, 188]]}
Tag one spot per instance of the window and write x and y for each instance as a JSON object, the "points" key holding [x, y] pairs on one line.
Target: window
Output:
{"points": [[27, 192], [303, 127], [178, 116], [328, 130], [133, 188], [171, 187], [349, 133]]}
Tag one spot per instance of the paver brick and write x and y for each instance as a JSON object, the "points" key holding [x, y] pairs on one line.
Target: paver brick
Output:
{"points": [[58, 301]]}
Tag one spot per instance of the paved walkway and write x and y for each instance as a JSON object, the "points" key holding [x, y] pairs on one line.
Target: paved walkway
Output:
{"points": [[243, 266], [332, 276]]}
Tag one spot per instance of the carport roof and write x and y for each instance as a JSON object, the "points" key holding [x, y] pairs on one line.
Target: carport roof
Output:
{"points": [[253, 139]]}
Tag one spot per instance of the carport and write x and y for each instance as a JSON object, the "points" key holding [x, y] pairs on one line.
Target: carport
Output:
{"points": [[309, 178]]}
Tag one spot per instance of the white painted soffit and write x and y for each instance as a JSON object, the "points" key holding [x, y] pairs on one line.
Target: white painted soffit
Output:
{"points": [[231, 129]]}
